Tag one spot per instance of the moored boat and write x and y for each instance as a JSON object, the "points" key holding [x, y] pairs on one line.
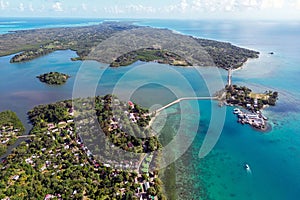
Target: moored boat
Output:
{"points": [[236, 111]]}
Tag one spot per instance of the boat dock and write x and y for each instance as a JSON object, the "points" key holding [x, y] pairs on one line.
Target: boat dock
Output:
{"points": [[256, 120]]}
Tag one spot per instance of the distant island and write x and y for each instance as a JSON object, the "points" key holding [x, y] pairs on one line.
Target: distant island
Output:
{"points": [[53, 78], [10, 128], [112, 42]]}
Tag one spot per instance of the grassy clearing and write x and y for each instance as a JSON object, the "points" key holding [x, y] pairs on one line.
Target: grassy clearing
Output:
{"points": [[259, 96]]}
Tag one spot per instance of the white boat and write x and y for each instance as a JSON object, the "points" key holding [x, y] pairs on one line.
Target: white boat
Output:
{"points": [[236, 111], [264, 117], [247, 167]]}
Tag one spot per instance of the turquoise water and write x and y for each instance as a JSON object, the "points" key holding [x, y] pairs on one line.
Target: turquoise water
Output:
{"points": [[14, 24], [273, 156]]}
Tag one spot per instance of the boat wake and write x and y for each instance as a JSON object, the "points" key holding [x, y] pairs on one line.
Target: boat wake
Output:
{"points": [[249, 171]]}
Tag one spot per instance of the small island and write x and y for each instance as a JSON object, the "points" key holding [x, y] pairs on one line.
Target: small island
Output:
{"points": [[54, 78], [150, 55], [251, 102], [10, 128]]}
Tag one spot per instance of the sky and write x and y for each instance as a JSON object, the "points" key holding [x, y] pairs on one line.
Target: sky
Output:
{"points": [[172, 9]]}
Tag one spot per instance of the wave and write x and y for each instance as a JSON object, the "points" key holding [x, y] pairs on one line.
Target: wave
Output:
{"points": [[13, 22], [8, 26]]}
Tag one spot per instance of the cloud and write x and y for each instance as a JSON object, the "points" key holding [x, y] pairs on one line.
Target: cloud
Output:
{"points": [[31, 7], [183, 5], [272, 4], [170, 8], [140, 8], [132, 9], [197, 3], [57, 6], [74, 9], [114, 10], [3, 4], [83, 6], [249, 4], [21, 7], [297, 5]]}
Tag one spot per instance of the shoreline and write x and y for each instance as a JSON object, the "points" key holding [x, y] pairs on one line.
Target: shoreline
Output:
{"points": [[155, 116], [168, 174]]}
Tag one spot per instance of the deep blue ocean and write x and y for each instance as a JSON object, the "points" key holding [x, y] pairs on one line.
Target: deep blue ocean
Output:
{"points": [[274, 157]]}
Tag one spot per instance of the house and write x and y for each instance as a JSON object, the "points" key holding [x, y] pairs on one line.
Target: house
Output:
{"points": [[48, 163], [16, 177], [132, 117], [147, 186], [50, 126], [5, 141], [43, 168], [49, 196], [131, 105], [106, 165], [62, 124], [255, 102], [71, 112], [29, 161], [70, 121], [55, 130], [130, 145]]}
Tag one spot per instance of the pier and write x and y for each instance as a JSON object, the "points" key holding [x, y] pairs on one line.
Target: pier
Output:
{"points": [[184, 99]]}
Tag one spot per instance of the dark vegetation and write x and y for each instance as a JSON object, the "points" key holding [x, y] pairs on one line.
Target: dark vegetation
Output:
{"points": [[54, 78], [226, 55], [243, 96], [150, 54]]}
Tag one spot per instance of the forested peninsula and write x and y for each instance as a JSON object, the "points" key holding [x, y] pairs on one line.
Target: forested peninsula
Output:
{"points": [[64, 156], [109, 42]]}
